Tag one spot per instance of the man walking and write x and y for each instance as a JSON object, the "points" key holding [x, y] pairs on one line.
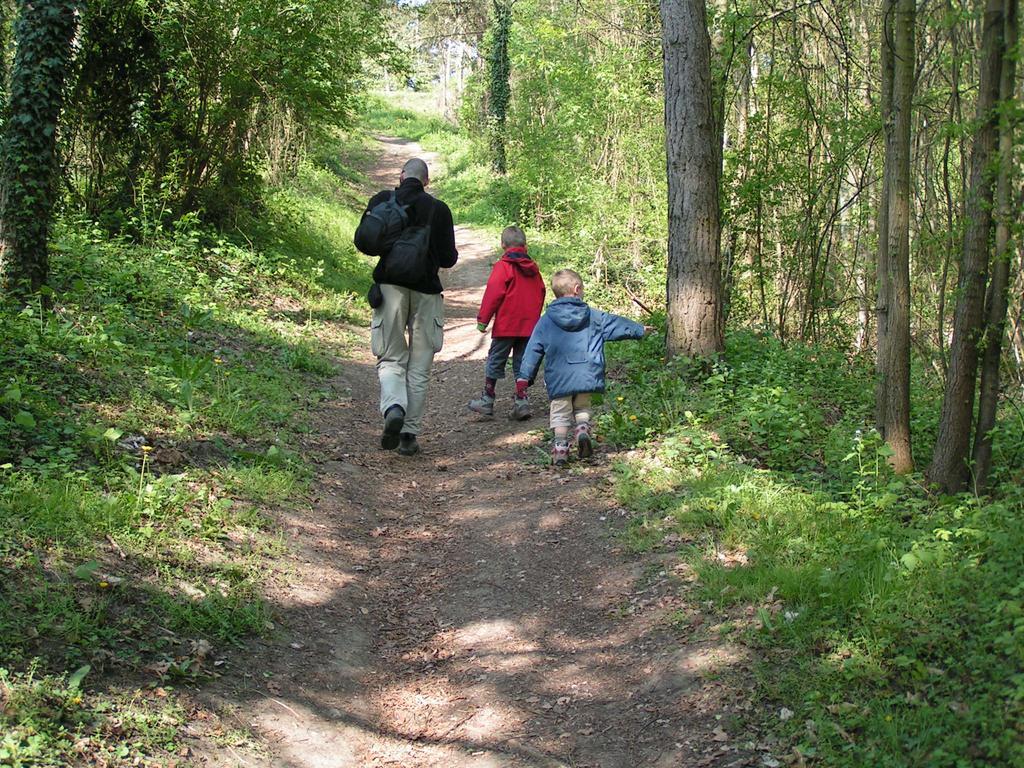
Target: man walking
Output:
{"points": [[408, 317]]}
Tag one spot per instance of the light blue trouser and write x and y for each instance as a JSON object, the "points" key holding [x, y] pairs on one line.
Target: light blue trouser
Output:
{"points": [[406, 331]]}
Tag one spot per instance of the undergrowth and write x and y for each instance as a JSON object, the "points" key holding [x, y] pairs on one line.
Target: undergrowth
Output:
{"points": [[151, 403], [889, 622]]}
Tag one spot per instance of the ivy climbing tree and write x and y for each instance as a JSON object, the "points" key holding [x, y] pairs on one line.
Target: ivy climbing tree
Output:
{"points": [[43, 33], [499, 90], [6, 13]]}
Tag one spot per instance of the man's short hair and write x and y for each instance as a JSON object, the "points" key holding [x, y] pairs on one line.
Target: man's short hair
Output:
{"points": [[513, 237], [564, 282], [416, 169]]}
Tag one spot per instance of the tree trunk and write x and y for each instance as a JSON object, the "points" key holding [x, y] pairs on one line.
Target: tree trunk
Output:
{"points": [[882, 262], [6, 14], [896, 423], [694, 164], [499, 93], [28, 163], [949, 468], [998, 289]]}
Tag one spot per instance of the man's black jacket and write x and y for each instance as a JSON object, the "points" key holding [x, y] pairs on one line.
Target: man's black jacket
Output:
{"points": [[442, 230]]}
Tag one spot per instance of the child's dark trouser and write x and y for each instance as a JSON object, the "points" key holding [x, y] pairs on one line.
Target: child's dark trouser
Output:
{"points": [[497, 356]]}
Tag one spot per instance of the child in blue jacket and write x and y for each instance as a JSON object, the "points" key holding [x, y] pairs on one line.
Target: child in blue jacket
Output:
{"points": [[570, 338]]}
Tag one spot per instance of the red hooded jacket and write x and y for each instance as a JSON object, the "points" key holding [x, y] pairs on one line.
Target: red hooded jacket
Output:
{"points": [[514, 296]]}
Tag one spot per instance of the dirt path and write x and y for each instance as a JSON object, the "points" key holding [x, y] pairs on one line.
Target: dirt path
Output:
{"points": [[469, 606]]}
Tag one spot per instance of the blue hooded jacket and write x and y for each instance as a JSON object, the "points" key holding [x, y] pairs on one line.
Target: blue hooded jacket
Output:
{"points": [[571, 336]]}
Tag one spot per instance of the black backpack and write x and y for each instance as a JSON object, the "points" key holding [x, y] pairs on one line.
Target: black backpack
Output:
{"points": [[408, 262], [381, 227]]}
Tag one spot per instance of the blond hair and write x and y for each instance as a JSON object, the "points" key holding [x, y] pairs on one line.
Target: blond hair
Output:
{"points": [[565, 281], [513, 237]]}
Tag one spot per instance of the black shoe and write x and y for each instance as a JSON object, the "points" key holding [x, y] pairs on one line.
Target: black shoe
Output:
{"points": [[394, 420], [407, 445]]}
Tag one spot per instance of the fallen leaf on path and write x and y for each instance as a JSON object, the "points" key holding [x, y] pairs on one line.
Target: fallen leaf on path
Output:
{"points": [[719, 735], [379, 531]]}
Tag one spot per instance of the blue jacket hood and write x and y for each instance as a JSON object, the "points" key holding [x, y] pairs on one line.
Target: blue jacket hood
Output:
{"points": [[569, 313]]}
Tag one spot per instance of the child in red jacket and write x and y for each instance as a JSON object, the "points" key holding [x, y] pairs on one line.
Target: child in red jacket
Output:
{"points": [[514, 297]]}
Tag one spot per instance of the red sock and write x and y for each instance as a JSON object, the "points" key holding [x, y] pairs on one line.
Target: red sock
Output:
{"points": [[521, 388], [489, 387]]}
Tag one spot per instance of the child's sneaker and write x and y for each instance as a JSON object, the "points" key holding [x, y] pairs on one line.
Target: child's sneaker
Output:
{"points": [[559, 452], [584, 443], [484, 405], [520, 409]]}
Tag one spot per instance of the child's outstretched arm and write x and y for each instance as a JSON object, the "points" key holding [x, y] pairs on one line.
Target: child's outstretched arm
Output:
{"points": [[494, 295], [616, 328]]}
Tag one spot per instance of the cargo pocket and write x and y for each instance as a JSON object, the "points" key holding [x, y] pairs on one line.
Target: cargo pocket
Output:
{"points": [[437, 334], [377, 336]]}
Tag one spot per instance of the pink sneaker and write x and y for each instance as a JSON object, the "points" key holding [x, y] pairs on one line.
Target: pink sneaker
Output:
{"points": [[584, 444], [559, 452]]}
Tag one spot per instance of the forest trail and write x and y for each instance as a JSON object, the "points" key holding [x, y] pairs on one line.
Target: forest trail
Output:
{"points": [[468, 606]]}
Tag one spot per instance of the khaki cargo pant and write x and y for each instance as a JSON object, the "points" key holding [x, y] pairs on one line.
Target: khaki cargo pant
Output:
{"points": [[406, 331]]}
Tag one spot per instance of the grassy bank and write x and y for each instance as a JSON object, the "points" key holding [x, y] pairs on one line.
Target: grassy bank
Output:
{"points": [[887, 621], [150, 421]]}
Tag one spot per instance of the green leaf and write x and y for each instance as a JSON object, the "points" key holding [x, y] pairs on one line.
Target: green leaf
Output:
{"points": [[12, 395], [86, 570], [25, 420], [113, 434], [910, 561], [75, 681]]}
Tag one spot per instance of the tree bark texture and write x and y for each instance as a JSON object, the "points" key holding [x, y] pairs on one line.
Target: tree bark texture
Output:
{"points": [[896, 421], [694, 165], [949, 467], [882, 262], [28, 163], [997, 300]]}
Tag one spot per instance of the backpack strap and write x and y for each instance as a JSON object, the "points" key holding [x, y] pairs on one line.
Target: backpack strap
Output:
{"points": [[403, 207]]}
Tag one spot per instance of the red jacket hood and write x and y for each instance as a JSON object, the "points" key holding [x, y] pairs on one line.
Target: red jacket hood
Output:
{"points": [[517, 258]]}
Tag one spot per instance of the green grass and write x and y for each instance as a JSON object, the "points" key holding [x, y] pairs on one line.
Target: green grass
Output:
{"points": [[889, 621], [149, 424], [112, 730]]}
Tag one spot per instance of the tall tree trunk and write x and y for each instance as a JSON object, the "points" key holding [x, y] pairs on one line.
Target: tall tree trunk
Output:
{"points": [[955, 116], [896, 423], [998, 289], [499, 90], [694, 164], [949, 468], [6, 17], [882, 262], [28, 163]]}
